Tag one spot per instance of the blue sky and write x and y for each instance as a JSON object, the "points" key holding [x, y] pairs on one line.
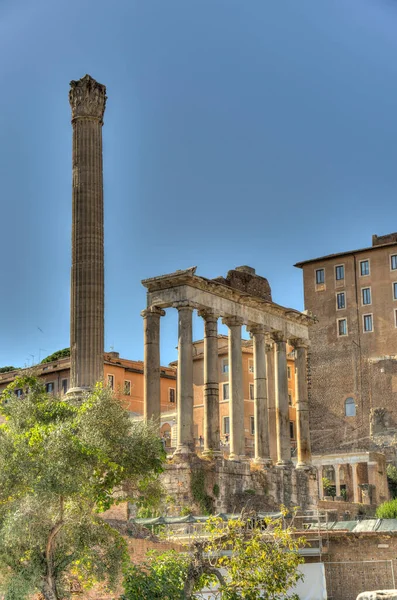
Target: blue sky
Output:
{"points": [[237, 132]]}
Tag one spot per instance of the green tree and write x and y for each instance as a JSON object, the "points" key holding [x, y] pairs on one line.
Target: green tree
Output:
{"points": [[7, 369], [260, 558], [392, 480], [387, 510], [56, 356], [60, 463]]}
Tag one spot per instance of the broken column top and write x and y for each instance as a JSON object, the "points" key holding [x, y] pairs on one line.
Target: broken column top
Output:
{"points": [[246, 280], [87, 98]]}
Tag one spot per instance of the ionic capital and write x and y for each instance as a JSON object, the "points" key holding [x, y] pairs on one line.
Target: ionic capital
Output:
{"points": [[278, 337], [208, 315], [233, 321], [255, 328], [153, 311], [87, 99], [299, 343]]}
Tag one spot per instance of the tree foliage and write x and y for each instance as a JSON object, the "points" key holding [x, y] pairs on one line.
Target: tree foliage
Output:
{"points": [[387, 510], [249, 558], [60, 463], [392, 480], [56, 356], [7, 369]]}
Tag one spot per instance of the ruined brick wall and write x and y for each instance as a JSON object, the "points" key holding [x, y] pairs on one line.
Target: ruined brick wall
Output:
{"points": [[360, 365]]}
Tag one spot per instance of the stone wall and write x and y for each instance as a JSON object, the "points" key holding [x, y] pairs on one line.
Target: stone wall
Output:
{"points": [[225, 486]]}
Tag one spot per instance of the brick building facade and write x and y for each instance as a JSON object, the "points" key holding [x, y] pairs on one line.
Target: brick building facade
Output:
{"points": [[353, 355]]}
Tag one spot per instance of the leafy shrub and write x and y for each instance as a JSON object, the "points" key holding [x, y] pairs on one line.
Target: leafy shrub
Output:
{"points": [[56, 355], [387, 510]]}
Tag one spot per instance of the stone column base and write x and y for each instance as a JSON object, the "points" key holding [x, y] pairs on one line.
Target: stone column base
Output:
{"points": [[264, 462], [77, 392], [183, 451], [212, 453], [286, 464], [304, 466]]}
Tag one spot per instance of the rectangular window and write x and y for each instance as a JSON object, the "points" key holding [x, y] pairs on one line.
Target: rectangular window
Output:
{"points": [[64, 386], [342, 327], [49, 387], [226, 391], [127, 387], [320, 276], [364, 267], [172, 395], [252, 394], [289, 372], [339, 272], [250, 366], [111, 382], [252, 425], [340, 300], [393, 262], [18, 393], [290, 399], [395, 290], [395, 317], [225, 365], [226, 428], [366, 295], [367, 323], [291, 430]]}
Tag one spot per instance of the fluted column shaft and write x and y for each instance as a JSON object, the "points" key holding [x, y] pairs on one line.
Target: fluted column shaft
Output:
{"points": [[282, 405], [87, 99], [151, 364], [262, 451], [185, 433], [302, 407], [236, 391], [211, 383], [337, 480], [271, 400]]}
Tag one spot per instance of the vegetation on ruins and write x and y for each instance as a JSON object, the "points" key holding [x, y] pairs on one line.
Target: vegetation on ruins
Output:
{"points": [[60, 463], [387, 510], [392, 480], [56, 356], [7, 369], [248, 558]]}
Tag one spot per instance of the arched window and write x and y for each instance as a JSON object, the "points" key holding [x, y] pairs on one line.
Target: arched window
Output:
{"points": [[350, 407]]}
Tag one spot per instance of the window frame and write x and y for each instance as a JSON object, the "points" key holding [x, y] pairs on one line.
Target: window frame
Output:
{"points": [[369, 267], [251, 366], [368, 287], [337, 327], [169, 395], [372, 323], [48, 383], [225, 366], [344, 299], [315, 276], [224, 385], [289, 372], [251, 391], [395, 317], [226, 419], [394, 287], [18, 392], [391, 262], [125, 388], [290, 399], [292, 430], [252, 424], [64, 388], [108, 381], [341, 266]]}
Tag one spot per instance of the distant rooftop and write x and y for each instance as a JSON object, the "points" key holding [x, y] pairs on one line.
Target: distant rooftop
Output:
{"points": [[378, 241]]}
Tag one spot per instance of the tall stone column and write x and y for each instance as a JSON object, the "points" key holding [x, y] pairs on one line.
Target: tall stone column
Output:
{"points": [[236, 391], [337, 480], [151, 363], [355, 483], [282, 406], [87, 100], [302, 406], [262, 451], [211, 383], [271, 399], [185, 436]]}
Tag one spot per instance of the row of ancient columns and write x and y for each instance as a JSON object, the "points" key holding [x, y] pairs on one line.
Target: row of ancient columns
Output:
{"points": [[185, 435], [354, 480]]}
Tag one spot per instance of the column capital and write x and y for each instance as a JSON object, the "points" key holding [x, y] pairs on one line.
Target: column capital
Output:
{"points": [[208, 315], [278, 336], [154, 311], [254, 328], [232, 321], [87, 99], [299, 343], [183, 304]]}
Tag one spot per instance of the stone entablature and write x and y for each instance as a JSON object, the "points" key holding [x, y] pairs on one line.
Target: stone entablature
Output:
{"points": [[271, 326]]}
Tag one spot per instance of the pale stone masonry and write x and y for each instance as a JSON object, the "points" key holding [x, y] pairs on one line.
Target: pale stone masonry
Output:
{"points": [[87, 100], [242, 298]]}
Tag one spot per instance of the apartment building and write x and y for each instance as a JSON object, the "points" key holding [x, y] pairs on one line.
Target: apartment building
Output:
{"points": [[353, 354]]}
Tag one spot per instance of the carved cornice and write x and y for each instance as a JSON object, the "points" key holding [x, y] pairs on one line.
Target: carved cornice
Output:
{"points": [[87, 99]]}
